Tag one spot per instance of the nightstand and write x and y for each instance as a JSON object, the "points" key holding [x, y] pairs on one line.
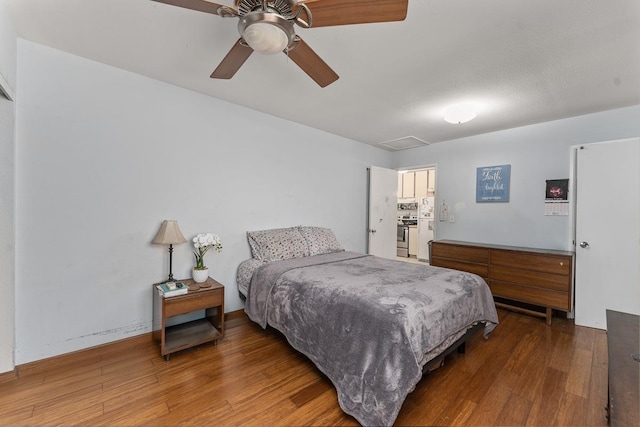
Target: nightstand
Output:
{"points": [[208, 297]]}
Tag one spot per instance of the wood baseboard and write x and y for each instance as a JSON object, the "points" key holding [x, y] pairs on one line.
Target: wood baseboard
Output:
{"points": [[232, 315], [234, 318], [8, 376], [63, 359]]}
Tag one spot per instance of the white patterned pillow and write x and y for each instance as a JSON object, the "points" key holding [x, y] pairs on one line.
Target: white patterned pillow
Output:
{"points": [[277, 244], [245, 272], [320, 240]]}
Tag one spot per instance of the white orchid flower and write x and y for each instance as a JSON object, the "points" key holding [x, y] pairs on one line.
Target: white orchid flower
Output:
{"points": [[202, 243]]}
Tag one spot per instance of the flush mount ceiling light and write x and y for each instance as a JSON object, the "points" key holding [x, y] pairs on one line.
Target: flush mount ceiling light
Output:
{"points": [[460, 113]]}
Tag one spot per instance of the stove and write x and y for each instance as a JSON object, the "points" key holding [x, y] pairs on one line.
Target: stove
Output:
{"points": [[403, 240], [408, 220]]}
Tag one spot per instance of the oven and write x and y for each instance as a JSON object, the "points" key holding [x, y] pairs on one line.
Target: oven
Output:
{"points": [[403, 240]]}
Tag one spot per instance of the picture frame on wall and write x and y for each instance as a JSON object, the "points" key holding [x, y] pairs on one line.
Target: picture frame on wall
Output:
{"points": [[557, 189], [493, 183]]}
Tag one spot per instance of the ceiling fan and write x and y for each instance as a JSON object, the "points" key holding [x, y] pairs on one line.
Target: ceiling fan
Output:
{"points": [[267, 26]]}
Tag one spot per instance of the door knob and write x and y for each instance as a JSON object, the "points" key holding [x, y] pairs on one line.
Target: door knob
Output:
{"points": [[584, 244], [373, 230]]}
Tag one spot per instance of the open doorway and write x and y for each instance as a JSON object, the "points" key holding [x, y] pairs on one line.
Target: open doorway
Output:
{"points": [[416, 213]]}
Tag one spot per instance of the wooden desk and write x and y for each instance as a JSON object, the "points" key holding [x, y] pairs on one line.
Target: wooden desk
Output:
{"points": [[624, 371], [186, 335]]}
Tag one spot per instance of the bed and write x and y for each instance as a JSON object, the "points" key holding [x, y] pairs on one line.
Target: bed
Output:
{"points": [[371, 325]]}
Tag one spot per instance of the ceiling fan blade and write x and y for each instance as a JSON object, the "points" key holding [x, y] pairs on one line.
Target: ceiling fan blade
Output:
{"points": [[311, 63], [327, 13], [199, 5], [232, 61]]}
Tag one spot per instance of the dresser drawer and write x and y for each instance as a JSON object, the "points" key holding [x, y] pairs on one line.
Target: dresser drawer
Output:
{"points": [[556, 264], [467, 253], [481, 270], [532, 295], [554, 282]]}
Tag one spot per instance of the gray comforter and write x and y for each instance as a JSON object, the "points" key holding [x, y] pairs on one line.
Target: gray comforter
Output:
{"points": [[370, 324]]}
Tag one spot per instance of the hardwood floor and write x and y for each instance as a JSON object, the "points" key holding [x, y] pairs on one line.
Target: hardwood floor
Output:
{"points": [[526, 373]]}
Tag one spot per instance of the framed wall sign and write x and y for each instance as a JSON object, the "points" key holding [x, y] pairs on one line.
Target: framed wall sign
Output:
{"points": [[492, 183]]}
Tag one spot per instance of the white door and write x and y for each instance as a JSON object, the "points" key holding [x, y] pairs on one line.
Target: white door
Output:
{"points": [[607, 236], [383, 205]]}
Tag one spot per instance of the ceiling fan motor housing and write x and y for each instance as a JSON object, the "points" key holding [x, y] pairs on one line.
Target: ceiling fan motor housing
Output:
{"points": [[281, 7]]}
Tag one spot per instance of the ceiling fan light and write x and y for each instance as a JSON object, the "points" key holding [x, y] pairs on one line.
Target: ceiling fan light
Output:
{"points": [[460, 113], [266, 38]]}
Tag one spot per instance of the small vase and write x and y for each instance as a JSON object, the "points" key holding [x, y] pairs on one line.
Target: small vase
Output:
{"points": [[200, 275]]}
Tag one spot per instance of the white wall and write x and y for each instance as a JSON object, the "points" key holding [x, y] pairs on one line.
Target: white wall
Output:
{"points": [[536, 153], [7, 199], [8, 49], [104, 155]]}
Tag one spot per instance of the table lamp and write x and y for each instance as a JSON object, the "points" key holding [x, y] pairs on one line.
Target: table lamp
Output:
{"points": [[169, 234]]}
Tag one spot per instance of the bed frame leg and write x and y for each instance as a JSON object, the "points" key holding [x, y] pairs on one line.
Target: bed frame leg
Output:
{"points": [[461, 348]]}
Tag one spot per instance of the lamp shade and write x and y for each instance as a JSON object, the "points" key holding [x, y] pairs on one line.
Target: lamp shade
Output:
{"points": [[169, 234]]}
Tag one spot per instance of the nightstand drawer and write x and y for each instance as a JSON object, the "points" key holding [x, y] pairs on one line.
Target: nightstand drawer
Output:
{"points": [[197, 301]]}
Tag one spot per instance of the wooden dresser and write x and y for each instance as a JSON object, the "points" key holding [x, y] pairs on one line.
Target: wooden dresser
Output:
{"points": [[531, 277]]}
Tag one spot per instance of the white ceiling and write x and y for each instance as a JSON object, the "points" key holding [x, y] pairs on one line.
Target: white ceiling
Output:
{"points": [[522, 62]]}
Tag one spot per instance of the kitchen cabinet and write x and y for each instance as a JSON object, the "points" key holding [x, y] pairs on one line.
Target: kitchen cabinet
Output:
{"points": [[422, 178], [413, 240], [417, 184], [408, 185]]}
